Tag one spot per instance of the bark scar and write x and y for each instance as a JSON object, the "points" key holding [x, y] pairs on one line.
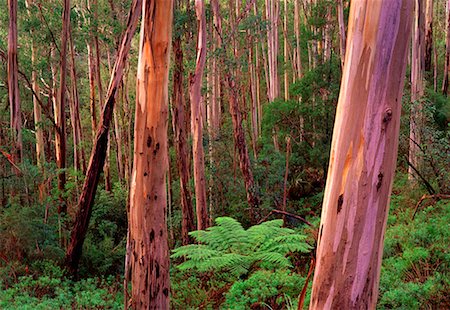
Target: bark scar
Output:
{"points": [[340, 203]]}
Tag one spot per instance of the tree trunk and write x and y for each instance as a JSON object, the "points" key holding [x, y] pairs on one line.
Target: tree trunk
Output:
{"points": [[148, 230], [342, 34], [92, 105], [447, 52], [428, 34], [39, 131], [417, 88], [98, 154], [285, 51], [13, 84], [272, 15], [297, 39], [78, 151], [181, 146], [61, 115], [196, 99], [363, 156]]}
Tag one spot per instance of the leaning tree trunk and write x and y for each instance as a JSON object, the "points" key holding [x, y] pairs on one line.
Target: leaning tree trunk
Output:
{"points": [[417, 89], [13, 83], [100, 145], [197, 119], [149, 260], [181, 146], [363, 156]]}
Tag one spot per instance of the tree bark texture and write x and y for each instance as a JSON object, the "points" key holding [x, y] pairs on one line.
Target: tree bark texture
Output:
{"points": [[148, 198], [98, 154], [195, 85], [363, 156]]}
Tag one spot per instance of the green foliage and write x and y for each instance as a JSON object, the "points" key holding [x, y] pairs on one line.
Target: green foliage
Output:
{"points": [[53, 291], [227, 247], [254, 263], [415, 271], [273, 289]]}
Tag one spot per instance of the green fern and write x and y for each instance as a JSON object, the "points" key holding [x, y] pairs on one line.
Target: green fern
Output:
{"points": [[228, 247]]}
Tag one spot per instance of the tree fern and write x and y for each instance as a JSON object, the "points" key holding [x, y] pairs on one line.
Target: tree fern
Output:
{"points": [[229, 247]]}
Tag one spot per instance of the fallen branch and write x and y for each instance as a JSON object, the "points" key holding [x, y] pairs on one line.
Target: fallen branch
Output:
{"points": [[427, 184], [436, 197], [287, 214], [301, 297]]}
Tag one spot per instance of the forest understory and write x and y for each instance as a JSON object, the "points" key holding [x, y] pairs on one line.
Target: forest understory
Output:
{"points": [[160, 154]]}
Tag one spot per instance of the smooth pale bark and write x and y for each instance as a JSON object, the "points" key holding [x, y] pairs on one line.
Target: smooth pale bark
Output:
{"points": [[363, 156], [149, 249], [445, 80], [417, 88], [60, 116], [181, 145], [342, 34], [13, 83], [428, 34], [98, 154], [195, 84]]}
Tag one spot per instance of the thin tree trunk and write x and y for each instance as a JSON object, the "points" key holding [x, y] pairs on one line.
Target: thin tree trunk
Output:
{"points": [[428, 34], [13, 84], [363, 156], [445, 80], [148, 230], [60, 120], [92, 105], [272, 15], [417, 88], [78, 152], [285, 50], [342, 34], [181, 146], [297, 39], [98, 154], [238, 131], [197, 119], [39, 131]]}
